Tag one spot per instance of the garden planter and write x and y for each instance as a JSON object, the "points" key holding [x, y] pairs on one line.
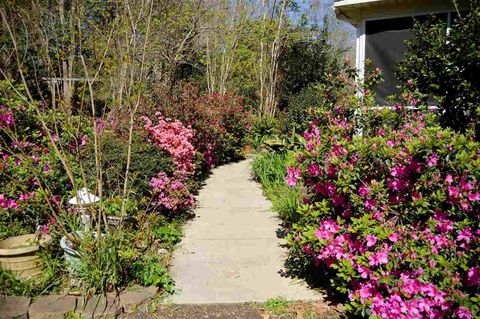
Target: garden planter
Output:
{"points": [[19, 254], [113, 221], [72, 257]]}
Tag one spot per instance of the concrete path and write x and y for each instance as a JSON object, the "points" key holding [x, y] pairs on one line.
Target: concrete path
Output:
{"points": [[230, 252]]}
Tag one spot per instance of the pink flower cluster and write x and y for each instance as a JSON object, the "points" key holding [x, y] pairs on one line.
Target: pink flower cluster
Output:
{"points": [[6, 117], [171, 193], [174, 139], [7, 202]]}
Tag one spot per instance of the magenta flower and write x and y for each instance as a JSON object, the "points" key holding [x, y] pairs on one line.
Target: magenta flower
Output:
{"points": [[474, 197], [393, 238], [370, 203], [293, 175], [7, 203], [371, 240], [6, 117], [454, 192], [363, 191], [463, 313], [432, 160], [314, 169], [473, 277], [378, 258]]}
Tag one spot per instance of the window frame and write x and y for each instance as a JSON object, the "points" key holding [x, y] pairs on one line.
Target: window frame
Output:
{"points": [[361, 38]]}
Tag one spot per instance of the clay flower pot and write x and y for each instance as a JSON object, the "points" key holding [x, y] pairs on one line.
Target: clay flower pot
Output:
{"points": [[19, 254], [248, 149]]}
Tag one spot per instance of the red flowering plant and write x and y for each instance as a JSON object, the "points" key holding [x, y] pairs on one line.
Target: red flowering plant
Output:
{"points": [[392, 213]]}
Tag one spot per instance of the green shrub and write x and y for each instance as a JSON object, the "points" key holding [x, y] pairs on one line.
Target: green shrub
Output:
{"points": [[146, 161], [446, 66], [306, 62], [300, 109], [169, 234]]}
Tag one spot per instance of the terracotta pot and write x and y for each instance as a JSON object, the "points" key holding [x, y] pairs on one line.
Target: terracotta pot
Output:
{"points": [[19, 254], [248, 149]]}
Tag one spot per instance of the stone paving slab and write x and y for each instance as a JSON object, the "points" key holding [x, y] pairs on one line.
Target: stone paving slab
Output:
{"points": [[132, 300], [99, 306], [230, 252], [12, 307], [52, 307]]}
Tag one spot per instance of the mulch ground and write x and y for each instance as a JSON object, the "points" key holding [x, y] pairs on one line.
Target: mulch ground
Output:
{"points": [[238, 311]]}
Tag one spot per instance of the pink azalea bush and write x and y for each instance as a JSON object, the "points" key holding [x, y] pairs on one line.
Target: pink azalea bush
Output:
{"points": [[219, 121], [172, 193], [175, 139], [393, 214]]}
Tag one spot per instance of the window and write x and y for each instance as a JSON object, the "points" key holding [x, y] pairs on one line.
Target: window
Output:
{"points": [[385, 47]]}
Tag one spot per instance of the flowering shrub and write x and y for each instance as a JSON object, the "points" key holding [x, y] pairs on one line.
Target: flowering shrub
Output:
{"points": [[172, 193], [219, 122], [174, 139], [393, 214], [31, 177]]}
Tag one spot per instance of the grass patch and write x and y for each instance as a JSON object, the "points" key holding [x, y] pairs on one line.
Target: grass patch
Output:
{"points": [[276, 306], [270, 169]]}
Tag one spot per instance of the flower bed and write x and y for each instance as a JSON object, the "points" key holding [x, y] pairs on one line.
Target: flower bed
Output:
{"points": [[36, 183]]}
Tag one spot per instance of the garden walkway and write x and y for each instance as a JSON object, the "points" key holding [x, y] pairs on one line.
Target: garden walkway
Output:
{"points": [[231, 252]]}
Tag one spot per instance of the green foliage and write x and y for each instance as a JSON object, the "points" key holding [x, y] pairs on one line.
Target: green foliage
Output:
{"points": [[269, 168], [101, 264], [168, 234], [300, 109], [150, 271], [446, 67], [306, 62], [146, 161], [262, 129], [112, 207]]}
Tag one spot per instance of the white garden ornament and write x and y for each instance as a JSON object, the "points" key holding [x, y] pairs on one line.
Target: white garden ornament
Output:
{"points": [[81, 201]]}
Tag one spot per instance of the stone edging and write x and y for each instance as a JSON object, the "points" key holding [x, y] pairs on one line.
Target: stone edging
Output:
{"points": [[57, 306]]}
